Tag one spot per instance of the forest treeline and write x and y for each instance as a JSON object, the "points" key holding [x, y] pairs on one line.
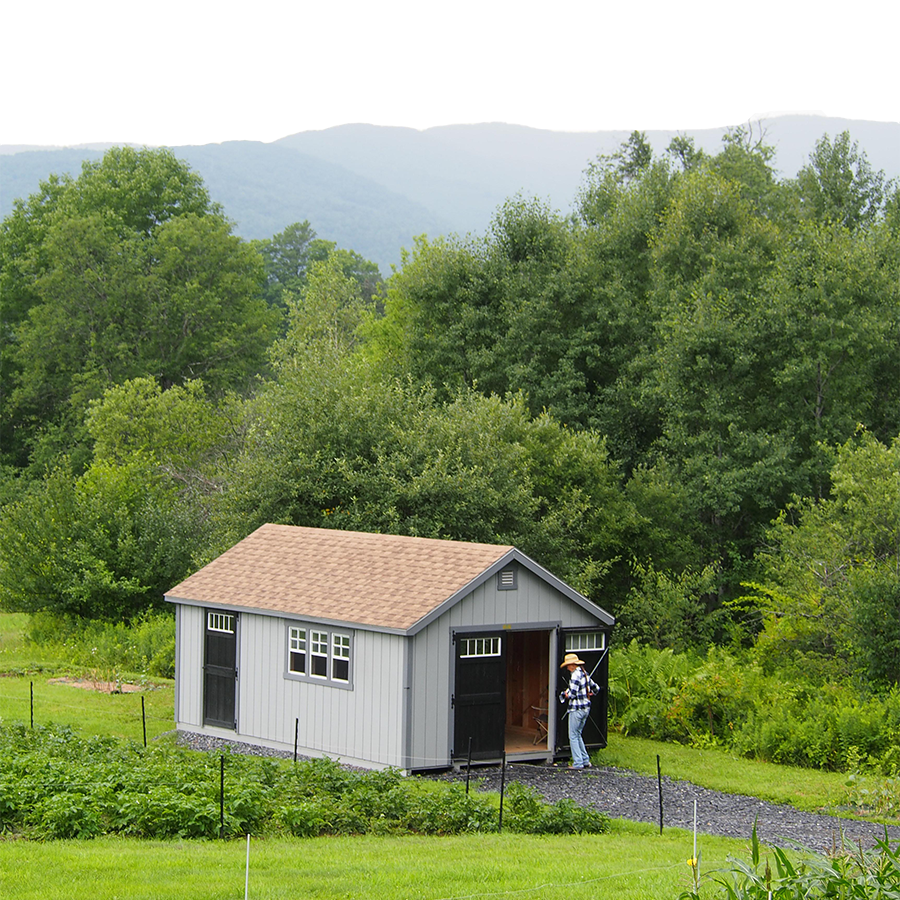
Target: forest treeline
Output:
{"points": [[683, 397]]}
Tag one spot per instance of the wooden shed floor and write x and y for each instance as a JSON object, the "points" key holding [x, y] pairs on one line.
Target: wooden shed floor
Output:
{"points": [[522, 740]]}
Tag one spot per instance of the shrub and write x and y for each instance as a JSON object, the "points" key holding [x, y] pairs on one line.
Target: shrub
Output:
{"points": [[855, 873], [57, 785], [146, 645], [527, 814]]}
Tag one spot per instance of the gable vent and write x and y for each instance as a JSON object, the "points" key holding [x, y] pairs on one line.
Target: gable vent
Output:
{"points": [[506, 580]]}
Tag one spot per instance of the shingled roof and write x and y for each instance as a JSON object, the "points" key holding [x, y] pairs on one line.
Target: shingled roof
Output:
{"points": [[381, 580]]}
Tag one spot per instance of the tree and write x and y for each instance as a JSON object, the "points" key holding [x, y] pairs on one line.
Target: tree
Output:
{"points": [[839, 185], [290, 255], [628, 163], [684, 153], [324, 319], [833, 353], [706, 370], [105, 544], [832, 567], [128, 270], [189, 439]]}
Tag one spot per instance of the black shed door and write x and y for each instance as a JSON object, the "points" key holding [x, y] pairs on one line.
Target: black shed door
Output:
{"points": [[591, 646], [479, 697], [220, 670]]}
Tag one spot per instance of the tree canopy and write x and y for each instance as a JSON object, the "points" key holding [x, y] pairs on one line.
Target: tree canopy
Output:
{"points": [[127, 270], [683, 397]]}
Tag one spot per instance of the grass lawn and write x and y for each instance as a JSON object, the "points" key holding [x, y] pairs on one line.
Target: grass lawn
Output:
{"points": [[25, 668], [808, 789], [633, 863]]}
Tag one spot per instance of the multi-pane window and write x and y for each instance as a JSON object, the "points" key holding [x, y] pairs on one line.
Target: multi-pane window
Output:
{"points": [[297, 650], [320, 654], [318, 646], [473, 647], [340, 657], [587, 640], [220, 622]]}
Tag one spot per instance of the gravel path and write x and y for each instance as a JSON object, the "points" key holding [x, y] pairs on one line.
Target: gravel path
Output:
{"points": [[625, 795]]}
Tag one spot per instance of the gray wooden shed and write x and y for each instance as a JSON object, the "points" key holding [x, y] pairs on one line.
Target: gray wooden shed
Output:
{"points": [[383, 650]]}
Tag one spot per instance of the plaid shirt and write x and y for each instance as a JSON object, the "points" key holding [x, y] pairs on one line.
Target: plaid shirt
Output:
{"points": [[577, 693]]}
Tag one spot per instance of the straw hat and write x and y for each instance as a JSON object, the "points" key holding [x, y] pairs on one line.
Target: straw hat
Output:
{"points": [[571, 659]]}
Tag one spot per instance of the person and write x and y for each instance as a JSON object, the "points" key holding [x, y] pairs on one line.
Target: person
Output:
{"points": [[579, 692]]}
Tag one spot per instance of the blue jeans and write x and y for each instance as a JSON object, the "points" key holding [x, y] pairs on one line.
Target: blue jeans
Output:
{"points": [[577, 718]]}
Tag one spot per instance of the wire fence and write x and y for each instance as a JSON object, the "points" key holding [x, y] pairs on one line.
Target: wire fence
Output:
{"points": [[39, 707]]}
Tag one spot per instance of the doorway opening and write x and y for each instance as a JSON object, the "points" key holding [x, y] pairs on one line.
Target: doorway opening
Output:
{"points": [[528, 704]]}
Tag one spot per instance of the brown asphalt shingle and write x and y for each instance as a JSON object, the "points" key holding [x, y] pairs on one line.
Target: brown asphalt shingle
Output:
{"points": [[382, 580]]}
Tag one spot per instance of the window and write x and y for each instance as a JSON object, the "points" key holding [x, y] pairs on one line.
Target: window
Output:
{"points": [[319, 654], [220, 622], [588, 640], [340, 657], [318, 641], [473, 647], [297, 650]]}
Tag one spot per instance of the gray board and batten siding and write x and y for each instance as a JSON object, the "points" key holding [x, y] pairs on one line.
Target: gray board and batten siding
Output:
{"points": [[361, 726], [535, 606], [396, 706]]}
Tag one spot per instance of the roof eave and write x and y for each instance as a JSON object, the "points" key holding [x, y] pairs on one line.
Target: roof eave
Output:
{"points": [[285, 614]]}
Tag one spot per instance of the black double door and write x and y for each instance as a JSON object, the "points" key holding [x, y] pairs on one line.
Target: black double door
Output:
{"points": [[220, 671]]}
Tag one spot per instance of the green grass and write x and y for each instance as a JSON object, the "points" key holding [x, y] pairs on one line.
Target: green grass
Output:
{"points": [[16, 655], [88, 712], [808, 789], [632, 863]]}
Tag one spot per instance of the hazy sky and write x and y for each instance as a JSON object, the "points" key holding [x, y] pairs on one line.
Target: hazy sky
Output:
{"points": [[67, 128], [183, 54]]}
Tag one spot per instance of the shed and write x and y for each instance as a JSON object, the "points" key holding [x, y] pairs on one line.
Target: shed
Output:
{"points": [[383, 650]]}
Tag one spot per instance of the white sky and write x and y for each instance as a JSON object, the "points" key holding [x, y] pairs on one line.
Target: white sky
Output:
{"points": [[469, 55]]}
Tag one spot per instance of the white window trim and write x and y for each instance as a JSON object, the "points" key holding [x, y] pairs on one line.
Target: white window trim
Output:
{"points": [[297, 636], [319, 638], [585, 641], [221, 623], [340, 650], [318, 649], [479, 647]]}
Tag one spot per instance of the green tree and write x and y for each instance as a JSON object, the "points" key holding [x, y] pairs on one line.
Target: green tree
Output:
{"points": [[706, 371], [832, 567], [105, 544], [190, 439], [128, 270], [290, 255], [831, 324], [839, 185]]}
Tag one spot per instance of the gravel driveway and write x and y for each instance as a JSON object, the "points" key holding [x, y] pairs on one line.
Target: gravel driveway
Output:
{"points": [[625, 795]]}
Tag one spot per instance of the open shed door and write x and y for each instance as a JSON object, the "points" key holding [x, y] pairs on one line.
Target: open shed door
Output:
{"points": [[593, 648], [479, 696]]}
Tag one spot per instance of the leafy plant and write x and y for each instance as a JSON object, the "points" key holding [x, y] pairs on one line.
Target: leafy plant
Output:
{"points": [[871, 874]]}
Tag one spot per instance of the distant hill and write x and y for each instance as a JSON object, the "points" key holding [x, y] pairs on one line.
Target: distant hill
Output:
{"points": [[373, 188]]}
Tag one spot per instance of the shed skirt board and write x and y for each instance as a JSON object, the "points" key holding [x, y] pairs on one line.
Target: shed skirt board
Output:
{"points": [[502, 682], [220, 673]]}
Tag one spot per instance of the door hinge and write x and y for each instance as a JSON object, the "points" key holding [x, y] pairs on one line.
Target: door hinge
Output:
{"points": [[452, 700]]}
